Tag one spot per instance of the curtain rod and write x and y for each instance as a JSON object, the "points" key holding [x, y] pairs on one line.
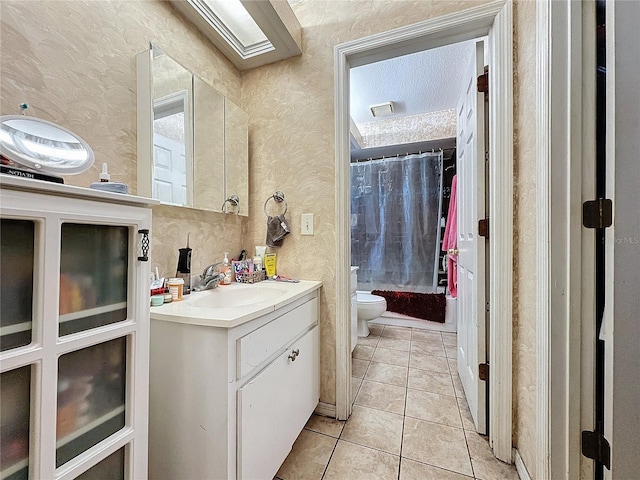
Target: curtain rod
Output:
{"points": [[368, 159]]}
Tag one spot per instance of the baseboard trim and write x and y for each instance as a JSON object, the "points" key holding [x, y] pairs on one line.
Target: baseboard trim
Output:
{"points": [[520, 466], [397, 319], [326, 410]]}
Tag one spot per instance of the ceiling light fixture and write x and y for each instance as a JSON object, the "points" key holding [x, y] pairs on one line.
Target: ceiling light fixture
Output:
{"points": [[382, 109]]}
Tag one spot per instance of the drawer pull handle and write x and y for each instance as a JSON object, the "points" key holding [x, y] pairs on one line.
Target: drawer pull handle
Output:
{"points": [[294, 354]]}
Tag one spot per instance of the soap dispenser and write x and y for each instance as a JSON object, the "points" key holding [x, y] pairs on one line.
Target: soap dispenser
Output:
{"points": [[226, 270], [184, 267], [107, 185]]}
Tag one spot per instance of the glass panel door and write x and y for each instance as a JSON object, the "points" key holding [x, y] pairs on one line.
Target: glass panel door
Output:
{"points": [[15, 394], [111, 468], [93, 276], [17, 250], [91, 397]]}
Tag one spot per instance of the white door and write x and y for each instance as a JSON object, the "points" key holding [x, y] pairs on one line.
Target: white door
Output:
{"points": [[621, 327], [471, 256], [169, 170]]}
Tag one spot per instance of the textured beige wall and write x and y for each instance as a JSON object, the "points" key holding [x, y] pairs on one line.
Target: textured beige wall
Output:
{"points": [[524, 298], [74, 63], [409, 129], [291, 117], [290, 105]]}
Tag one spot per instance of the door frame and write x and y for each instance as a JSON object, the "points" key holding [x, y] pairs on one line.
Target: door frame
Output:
{"points": [[443, 30], [565, 251]]}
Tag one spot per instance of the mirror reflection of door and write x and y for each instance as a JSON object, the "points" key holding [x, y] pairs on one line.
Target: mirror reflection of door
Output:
{"points": [[169, 162]]}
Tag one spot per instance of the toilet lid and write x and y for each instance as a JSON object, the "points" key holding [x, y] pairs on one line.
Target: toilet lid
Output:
{"points": [[368, 298]]}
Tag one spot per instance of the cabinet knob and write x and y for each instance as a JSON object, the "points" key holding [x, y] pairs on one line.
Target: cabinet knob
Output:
{"points": [[294, 354]]}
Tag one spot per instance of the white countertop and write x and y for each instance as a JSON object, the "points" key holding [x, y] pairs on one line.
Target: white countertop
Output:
{"points": [[51, 188], [186, 311]]}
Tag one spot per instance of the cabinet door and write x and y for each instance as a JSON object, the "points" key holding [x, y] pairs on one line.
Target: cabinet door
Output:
{"points": [[15, 412], [111, 468], [274, 407], [91, 397], [94, 264], [236, 155], [17, 259]]}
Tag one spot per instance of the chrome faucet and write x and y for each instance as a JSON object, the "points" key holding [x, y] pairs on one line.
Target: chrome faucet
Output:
{"points": [[209, 278]]}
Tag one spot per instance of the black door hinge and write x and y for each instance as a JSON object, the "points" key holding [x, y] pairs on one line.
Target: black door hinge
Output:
{"points": [[483, 372], [595, 446], [483, 83], [597, 213], [483, 228]]}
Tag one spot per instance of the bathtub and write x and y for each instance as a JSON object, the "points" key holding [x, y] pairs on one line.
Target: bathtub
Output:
{"points": [[397, 319]]}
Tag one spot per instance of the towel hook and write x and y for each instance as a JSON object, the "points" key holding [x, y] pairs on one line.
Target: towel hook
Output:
{"points": [[277, 197]]}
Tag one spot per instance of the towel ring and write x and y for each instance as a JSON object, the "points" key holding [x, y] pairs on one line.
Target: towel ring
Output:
{"points": [[233, 200], [279, 198]]}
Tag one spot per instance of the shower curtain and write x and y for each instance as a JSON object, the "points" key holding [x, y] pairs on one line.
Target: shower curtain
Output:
{"points": [[395, 222]]}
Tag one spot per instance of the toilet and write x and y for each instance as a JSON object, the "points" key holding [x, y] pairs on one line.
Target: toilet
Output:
{"points": [[369, 307]]}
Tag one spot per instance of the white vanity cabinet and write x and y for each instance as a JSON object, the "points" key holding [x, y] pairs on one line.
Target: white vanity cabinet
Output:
{"points": [[229, 403], [74, 333]]}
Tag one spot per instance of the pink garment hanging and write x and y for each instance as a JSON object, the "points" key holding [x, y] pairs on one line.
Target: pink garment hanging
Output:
{"points": [[450, 240]]}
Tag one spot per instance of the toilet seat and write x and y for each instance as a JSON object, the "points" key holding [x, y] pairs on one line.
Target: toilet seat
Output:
{"points": [[367, 298]]}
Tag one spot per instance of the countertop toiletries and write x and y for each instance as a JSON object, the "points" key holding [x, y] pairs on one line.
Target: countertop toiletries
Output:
{"points": [[226, 270], [157, 286], [107, 185], [261, 250], [280, 278], [184, 266], [157, 300], [257, 263], [270, 264], [175, 289]]}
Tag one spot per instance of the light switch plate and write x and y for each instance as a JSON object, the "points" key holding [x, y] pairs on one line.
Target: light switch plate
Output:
{"points": [[306, 221]]}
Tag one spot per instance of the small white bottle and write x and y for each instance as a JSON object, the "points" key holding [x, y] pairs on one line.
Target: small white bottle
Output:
{"points": [[107, 185], [257, 262], [226, 270]]}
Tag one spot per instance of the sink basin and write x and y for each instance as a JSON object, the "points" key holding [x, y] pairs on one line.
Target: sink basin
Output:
{"points": [[235, 295]]}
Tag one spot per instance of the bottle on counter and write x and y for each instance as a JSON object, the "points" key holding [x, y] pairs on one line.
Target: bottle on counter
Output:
{"points": [[226, 270], [257, 262], [184, 267]]}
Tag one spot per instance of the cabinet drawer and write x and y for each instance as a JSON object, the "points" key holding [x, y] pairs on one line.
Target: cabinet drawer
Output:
{"points": [[274, 407], [258, 346]]}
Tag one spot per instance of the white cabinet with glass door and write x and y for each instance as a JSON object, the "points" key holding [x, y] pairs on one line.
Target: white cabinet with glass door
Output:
{"points": [[74, 332]]}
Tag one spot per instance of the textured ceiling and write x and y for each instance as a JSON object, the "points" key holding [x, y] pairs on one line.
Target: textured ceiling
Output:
{"points": [[422, 82]]}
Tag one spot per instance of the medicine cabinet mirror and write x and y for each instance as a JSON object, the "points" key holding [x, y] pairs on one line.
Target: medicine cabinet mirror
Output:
{"points": [[192, 141]]}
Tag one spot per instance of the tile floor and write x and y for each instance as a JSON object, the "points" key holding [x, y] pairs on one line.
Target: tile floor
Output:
{"points": [[410, 419]]}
